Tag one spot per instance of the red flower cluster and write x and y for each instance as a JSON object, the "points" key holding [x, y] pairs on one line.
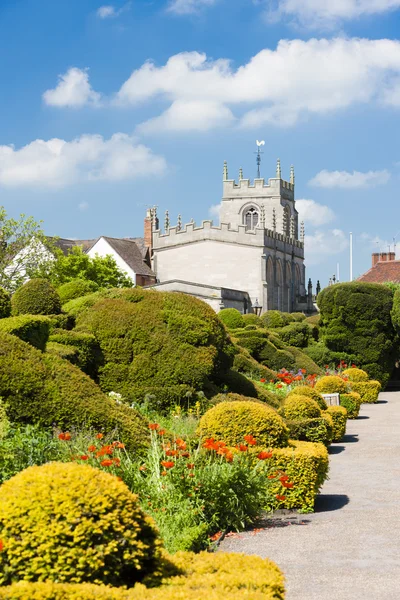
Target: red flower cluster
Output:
{"points": [[220, 448], [264, 455], [251, 441], [64, 436]]}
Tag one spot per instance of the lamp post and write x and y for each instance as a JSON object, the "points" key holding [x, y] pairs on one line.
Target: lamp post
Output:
{"points": [[257, 307]]}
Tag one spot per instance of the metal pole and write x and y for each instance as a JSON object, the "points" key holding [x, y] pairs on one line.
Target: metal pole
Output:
{"points": [[351, 256]]}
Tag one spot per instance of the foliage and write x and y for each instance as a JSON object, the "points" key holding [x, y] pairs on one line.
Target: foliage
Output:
{"points": [[72, 523], [230, 421], [5, 303], [252, 319], [33, 329], [295, 334], [323, 357], [39, 388], [356, 319], [61, 321], [339, 417], [300, 407], [23, 246], [306, 464], [317, 429], [354, 374], [36, 297], [102, 270], [4, 425], [88, 354], [352, 403], [231, 318], [303, 361], [202, 575], [76, 288], [246, 364], [331, 384], [305, 390], [69, 353], [368, 390]]}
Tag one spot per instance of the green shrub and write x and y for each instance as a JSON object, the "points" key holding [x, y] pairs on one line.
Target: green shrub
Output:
{"points": [[267, 396], [298, 317], [306, 464], [162, 399], [76, 289], [36, 297], [317, 429], [62, 522], [305, 390], [339, 417], [313, 320], [33, 329], [246, 364], [354, 374], [4, 422], [331, 384], [40, 388], [252, 319], [300, 407], [240, 384], [5, 304], [272, 319], [295, 334], [230, 421], [368, 390], [89, 356], [61, 351], [302, 361], [231, 318], [61, 321], [322, 356], [352, 403]]}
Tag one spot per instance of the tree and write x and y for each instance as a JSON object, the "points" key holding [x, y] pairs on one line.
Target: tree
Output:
{"points": [[23, 248], [103, 270]]}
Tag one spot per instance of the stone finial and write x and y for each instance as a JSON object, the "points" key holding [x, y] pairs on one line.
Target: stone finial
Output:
{"points": [[292, 178], [225, 176], [309, 284], [284, 223], [302, 232], [154, 218], [240, 173], [262, 216], [292, 227], [166, 221], [318, 288], [274, 219], [179, 223], [278, 169]]}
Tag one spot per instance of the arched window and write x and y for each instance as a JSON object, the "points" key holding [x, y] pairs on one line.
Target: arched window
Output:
{"points": [[251, 218]]}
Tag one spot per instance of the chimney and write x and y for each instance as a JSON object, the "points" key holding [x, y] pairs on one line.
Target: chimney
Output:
{"points": [[375, 258], [148, 230], [392, 256], [382, 257]]}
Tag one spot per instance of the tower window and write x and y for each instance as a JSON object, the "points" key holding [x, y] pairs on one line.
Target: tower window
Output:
{"points": [[251, 219]]}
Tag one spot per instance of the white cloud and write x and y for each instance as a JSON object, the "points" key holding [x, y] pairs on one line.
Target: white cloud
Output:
{"points": [[278, 87], [107, 11], [83, 206], [215, 211], [189, 115], [186, 7], [73, 90], [58, 163], [345, 180], [323, 244], [313, 213], [319, 13]]}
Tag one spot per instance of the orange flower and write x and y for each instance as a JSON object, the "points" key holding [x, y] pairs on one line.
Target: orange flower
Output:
{"points": [[106, 463], [153, 426], [278, 385], [99, 436], [209, 444], [287, 485], [61, 436], [262, 380], [264, 455], [271, 476], [92, 448], [191, 474], [84, 457], [181, 444], [117, 461], [171, 452], [284, 478], [280, 498], [67, 436], [242, 447], [164, 473], [167, 464], [142, 468], [185, 454], [229, 457], [250, 440], [105, 450], [1, 545], [303, 371], [190, 465], [161, 432]]}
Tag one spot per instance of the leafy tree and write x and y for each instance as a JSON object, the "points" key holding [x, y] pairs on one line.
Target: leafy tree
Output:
{"points": [[103, 270], [23, 248]]}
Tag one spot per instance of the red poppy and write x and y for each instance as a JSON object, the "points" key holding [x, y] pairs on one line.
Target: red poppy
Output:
{"points": [[287, 485], [271, 476], [164, 473], [61, 436], [250, 440], [229, 457], [190, 465], [171, 452], [283, 478], [167, 464], [280, 498], [1, 545], [181, 444], [92, 448], [262, 380], [153, 426], [264, 455], [142, 468], [117, 461], [279, 385], [84, 457], [118, 445], [242, 447], [99, 436], [161, 432], [106, 463], [185, 454], [303, 371], [191, 474]]}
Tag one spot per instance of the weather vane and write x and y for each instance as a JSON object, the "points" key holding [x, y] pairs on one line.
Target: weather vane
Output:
{"points": [[258, 153]]}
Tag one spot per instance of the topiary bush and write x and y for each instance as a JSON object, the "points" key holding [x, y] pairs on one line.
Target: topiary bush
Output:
{"points": [[272, 319], [252, 319], [76, 289], [311, 430], [300, 407], [246, 364], [295, 334], [352, 403], [305, 390], [36, 297], [354, 374], [230, 421], [322, 356], [331, 384], [5, 303], [39, 388], [368, 390], [69, 522], [61, 351], [231, 318], [339, 417], [33, 329], [88, 352]]}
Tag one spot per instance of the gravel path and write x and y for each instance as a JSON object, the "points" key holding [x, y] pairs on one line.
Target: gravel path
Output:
{"points": [[349, 549]]}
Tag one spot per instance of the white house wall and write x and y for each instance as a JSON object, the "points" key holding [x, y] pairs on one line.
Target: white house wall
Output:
{"points": [[102, 248]]}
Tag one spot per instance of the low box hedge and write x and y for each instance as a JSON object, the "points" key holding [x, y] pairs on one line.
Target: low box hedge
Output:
{"points": [[339, 417], [368, 390], [311, 430], [33, 329], [352, 403]]}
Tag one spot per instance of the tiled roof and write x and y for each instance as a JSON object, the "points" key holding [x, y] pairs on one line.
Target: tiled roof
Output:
{"points": [[65, 244], [382, 272], [130, 253]]}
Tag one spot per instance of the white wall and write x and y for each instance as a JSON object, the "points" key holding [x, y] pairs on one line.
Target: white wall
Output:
{"points": [[103, 248]]}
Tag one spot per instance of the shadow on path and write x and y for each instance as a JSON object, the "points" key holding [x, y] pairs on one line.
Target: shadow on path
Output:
{"points": [[350, 438], [362, 417], [381, 402], [336, 449], [330, 502]]}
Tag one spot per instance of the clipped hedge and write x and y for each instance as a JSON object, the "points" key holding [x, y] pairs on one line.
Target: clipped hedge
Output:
{"points": [[203, 575], [368, 390], [306, 465], [231, 318], [36, 297], [244, 363], [5, 303], [295, 334], [252, 319], [68, 522], [352, 403], [319, 429], [302, 361], [339, 417], [33, 329], [230, 421], [356, 375], [39, 388], [305, 390], [89, 355], [76, 289], [61, 351], [331, 384], [300, 407]]}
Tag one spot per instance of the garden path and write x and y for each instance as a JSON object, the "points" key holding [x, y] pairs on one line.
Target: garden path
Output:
{"points": [[349, 549]]}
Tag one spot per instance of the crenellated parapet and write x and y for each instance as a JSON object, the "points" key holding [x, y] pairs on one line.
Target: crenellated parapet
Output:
{"points": [[244, 187]]}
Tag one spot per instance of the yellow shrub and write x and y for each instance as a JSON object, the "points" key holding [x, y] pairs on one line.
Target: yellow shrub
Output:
{"points": [[230, 421], [305, 390], [356, 374], [331, 384], [352, 403], [204, 575], [307, 465], [368, 390], [69, 522], [300, 407], [339, 418]]}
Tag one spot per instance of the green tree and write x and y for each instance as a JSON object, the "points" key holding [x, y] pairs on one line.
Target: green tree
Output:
{"points": [[23, 248], [103, 270]]}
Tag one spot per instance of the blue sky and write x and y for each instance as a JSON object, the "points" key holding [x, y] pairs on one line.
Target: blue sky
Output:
{"points": [[107, 108]]}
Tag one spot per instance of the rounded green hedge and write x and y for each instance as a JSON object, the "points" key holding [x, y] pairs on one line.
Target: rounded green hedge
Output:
{"points": [[231, 421], [231, 318], [331, 384], [252, 319], [300, 407], [305, 390], [76, 289], [354, 374], [69, 522], [5, 304], [36, 297]]}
